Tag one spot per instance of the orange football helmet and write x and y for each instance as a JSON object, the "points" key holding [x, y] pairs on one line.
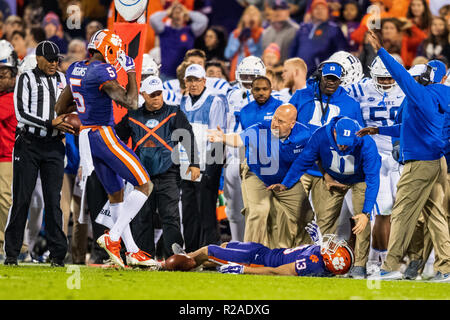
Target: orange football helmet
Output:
{"points": [[108, 44], [337, 254]]}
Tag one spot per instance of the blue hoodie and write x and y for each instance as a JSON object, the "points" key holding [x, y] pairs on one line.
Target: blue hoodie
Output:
{"points": [[357, 164], [423, 114], [307, 102]]}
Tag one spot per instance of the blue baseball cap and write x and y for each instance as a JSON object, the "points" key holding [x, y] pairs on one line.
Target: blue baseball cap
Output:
{"points": [[346, 129], [332, 69], [439, 70]]}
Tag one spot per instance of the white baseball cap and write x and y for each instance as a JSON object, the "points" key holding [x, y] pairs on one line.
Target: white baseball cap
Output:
{"points": [[195, 70], [151, 84]]}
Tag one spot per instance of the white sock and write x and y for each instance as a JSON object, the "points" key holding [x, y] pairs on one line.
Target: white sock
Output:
{"points": [[383, 255], [128, 210], [374, 256], [127, 238], [115, 209]]}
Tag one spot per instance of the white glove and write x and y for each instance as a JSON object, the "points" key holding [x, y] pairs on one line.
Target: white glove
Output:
{"points": [[126, 62], [314, 232]]}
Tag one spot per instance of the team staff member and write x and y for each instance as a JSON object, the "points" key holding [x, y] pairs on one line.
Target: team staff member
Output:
{"points": [[355, 164], [274, 219], [8, 123], [150, 128], [38, 149], [323, 99], [264, 105], [423, 182], [204, 110]]}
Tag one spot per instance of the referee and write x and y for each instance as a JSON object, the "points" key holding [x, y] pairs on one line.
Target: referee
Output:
{"points": [[38, 148]]}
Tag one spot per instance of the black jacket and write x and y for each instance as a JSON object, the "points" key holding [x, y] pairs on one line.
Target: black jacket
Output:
{"points": [[155, 147]]}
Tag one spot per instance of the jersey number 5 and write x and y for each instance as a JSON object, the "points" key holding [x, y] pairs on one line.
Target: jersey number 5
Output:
{"points": [[78, 97]]}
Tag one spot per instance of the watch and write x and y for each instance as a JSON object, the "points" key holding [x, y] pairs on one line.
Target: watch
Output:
{"points": [[367, 214]]}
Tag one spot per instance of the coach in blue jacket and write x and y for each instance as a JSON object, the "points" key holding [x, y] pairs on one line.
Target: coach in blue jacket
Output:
{"points": [[355, 164], [423, 182]]}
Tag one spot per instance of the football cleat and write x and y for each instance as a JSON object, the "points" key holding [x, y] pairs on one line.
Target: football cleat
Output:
{"points": [[386, 275], [112, 248], [441, 277], [412, 271], [142, 259], [358, 272]]}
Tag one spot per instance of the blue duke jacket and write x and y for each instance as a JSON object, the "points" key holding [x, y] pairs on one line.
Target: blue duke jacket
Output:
{"points": [[360, 163], [421, 125], [151, 137]]}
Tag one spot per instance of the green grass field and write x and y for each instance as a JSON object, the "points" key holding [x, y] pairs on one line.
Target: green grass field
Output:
{"points": [[31, 282]]}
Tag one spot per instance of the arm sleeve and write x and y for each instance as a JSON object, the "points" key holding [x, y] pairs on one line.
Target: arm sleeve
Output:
{"points": [[105, 72], [393, 131], [22, 97], [304, 161], [181, 122], [371, 167], [199, 23], [156, 21]]}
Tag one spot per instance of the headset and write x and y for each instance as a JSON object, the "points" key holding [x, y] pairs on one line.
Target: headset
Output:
{"points": [[425, 77]]}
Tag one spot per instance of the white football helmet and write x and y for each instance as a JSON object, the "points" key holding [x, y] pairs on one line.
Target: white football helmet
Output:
{"points": [[28, 63], [353, 70], [249, 68], [149, 66], [8, 56], [378, 70]]}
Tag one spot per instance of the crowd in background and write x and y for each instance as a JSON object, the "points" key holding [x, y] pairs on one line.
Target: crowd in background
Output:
{"points": [[228, 31]]}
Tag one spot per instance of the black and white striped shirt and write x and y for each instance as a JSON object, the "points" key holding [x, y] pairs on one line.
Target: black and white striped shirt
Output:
{"points": [[35, 96]]}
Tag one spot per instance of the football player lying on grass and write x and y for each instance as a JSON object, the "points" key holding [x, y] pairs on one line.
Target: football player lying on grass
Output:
{"points": [[328, 256]]}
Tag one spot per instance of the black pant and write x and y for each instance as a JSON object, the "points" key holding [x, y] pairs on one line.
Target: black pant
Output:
{"points": [[96, 198], [31, 156], [199, 201], [164, 201]]}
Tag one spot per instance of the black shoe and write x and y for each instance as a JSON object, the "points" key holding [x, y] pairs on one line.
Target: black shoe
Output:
{"points": [[412, 271], [57, 263], [10, 261]]}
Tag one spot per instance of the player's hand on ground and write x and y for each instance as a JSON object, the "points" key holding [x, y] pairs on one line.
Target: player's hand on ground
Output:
{"points": [[330, 183], [194, 171], [232, 268], [216, 135], [361, 221], [369, 130], [126, 62], [277, 187], [58, 123], [314, 232]]}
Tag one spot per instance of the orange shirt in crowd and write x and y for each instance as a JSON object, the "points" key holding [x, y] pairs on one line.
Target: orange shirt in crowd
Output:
{"points": [[410, 43]]}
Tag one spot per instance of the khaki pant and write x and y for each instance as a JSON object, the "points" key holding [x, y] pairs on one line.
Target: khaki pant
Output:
{"points": [[421, 189], [328, 205], [274, 219], [6, 176], [70, 203]]}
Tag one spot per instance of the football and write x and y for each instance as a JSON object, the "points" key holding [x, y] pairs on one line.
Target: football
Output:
{"points": [[74, 121], [179, 262], [130, 9]]}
